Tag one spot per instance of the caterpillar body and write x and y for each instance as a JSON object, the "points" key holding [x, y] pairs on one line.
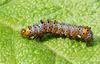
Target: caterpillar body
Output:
{"points": [[82, 33]]}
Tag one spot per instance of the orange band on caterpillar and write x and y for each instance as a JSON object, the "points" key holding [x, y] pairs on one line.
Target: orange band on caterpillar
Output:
{"points": [[82, 33]]}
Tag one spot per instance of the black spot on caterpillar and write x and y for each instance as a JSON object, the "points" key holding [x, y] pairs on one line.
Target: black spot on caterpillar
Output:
{"points": [[81, 33]]}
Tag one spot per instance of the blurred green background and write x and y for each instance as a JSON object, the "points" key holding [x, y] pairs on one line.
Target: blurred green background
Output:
{"points": [[15, 14]]}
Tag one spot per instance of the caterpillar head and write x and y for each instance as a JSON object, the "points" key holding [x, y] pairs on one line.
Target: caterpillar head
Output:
{"points": [[87, 35], [26, 32]]}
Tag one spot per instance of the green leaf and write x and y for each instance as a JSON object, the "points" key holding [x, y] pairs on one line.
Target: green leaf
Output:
{"points": [[16, 14]]}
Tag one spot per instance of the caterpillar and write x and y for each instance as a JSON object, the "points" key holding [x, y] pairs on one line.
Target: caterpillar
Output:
{"points": [[81, 33]]}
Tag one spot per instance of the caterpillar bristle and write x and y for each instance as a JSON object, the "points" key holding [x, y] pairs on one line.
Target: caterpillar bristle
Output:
{"points": [[41, 21]]}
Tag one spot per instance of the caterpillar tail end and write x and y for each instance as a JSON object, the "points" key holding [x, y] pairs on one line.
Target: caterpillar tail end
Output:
{"points": [[25, 32]]}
